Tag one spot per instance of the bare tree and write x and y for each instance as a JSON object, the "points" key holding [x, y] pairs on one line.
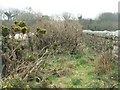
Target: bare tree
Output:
{"points": [[9, 15]]}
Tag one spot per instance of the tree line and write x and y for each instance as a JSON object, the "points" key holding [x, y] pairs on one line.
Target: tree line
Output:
{"points": [[105, 21]]}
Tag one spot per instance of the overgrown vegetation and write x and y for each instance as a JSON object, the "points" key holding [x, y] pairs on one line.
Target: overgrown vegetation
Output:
{"points": [[53, 54]]}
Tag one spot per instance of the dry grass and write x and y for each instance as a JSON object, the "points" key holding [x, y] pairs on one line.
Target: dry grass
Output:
{"points": [[103, 63]]}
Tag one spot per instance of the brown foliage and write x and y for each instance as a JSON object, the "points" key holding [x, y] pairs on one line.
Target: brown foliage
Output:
{"points": [[24, 58], [61, 35], [103, 63]]}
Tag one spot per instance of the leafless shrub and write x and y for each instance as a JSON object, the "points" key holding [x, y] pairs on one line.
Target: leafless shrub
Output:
{"points": [[61, 35]]}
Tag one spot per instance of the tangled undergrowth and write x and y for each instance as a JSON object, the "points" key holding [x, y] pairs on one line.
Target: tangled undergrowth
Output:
{"points": [[51, 59], [23, 56], [64, 71]]}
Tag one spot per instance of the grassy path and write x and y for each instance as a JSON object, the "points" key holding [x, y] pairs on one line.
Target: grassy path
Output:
{"points": [[78, 72]]}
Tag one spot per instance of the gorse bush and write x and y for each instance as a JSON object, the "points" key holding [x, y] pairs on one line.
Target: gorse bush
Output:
{"points": [[5, 31], [15, 51], [22, 57], [20, 27]]}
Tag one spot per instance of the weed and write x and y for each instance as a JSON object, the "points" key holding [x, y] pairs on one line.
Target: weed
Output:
{"points": [[75, 81]]}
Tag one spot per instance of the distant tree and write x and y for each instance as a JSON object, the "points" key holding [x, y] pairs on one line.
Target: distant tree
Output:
{"points": [[15, 14], [9, 15], [108, 16], [105, 21], [68, 16], [80, 17]]}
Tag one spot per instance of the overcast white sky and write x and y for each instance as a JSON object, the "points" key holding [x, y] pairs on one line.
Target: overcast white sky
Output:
{"points": [[88, 8]]}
